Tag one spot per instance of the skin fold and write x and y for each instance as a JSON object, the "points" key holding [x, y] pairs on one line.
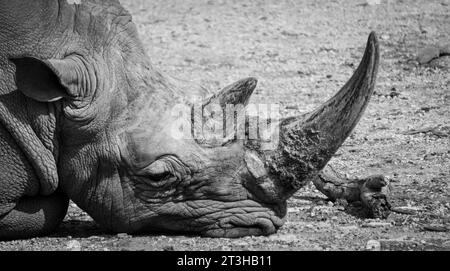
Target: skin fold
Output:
{"points": [[84, 115]]}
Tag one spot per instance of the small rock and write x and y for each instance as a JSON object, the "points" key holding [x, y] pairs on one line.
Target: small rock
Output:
{"points": [[435, 227], [349, 228], [73, 245], [446, 244], [407, 210], [292, 107], [427, 54], [319, 202], [384, 37], [376, 224], [241, 244], [168, 248], [394, 94], [71, 2], [442, 62], [373, 2], [373, 245], [341, 203], [289, 33], [122, 235], [283, 238]]}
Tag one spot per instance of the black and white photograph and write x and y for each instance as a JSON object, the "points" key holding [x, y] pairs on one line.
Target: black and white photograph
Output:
{"points": [[224, 125]]}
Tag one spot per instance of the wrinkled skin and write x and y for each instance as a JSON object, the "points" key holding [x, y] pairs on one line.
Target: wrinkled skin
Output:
{"points": [[84, 115]]}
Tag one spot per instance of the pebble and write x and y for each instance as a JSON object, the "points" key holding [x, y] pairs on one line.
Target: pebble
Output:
{"points": [[122, 235], [384, 37], [376, 224], [73, 245], [283, 237], [169, 248], [407, 210], [427, 54], [350, 228], [373, 245], [437, 228], [373, 2], [241, 244]]}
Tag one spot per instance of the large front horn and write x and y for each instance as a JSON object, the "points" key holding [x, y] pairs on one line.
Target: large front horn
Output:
{"points": [[307, 143]]}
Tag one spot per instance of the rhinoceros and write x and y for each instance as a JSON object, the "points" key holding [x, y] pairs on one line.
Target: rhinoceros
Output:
{"points": [[85, 116]]}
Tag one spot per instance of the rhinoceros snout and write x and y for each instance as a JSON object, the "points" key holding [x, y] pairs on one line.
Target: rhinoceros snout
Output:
{"points": [[264, 223], [260, 183]]}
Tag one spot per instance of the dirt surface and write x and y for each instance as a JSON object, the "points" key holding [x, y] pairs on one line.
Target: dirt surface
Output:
{"points": [[302, 52]]}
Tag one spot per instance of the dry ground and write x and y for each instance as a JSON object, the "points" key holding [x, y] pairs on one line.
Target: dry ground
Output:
{"points": [[302, 52]]}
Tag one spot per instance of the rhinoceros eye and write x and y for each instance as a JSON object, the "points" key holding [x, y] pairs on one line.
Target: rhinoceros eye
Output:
{"points": [[158, 170], [164, 168]]}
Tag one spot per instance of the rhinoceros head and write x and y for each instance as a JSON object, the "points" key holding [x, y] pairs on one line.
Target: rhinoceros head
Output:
{"points": [[130, 155]]}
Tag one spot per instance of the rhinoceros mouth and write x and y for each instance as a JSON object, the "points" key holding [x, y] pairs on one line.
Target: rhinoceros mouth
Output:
{"points": [[265, 221], [212, 218], [261, 226]]}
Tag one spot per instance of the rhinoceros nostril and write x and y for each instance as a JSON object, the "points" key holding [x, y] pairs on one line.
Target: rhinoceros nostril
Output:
{"points": [[266, 225], [259, 183], [254, 165], [233, 227]]}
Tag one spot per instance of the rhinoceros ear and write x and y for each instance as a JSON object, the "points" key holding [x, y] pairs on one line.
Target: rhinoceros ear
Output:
{"points": [[236, 93], [217, 122], [43, 80]]}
